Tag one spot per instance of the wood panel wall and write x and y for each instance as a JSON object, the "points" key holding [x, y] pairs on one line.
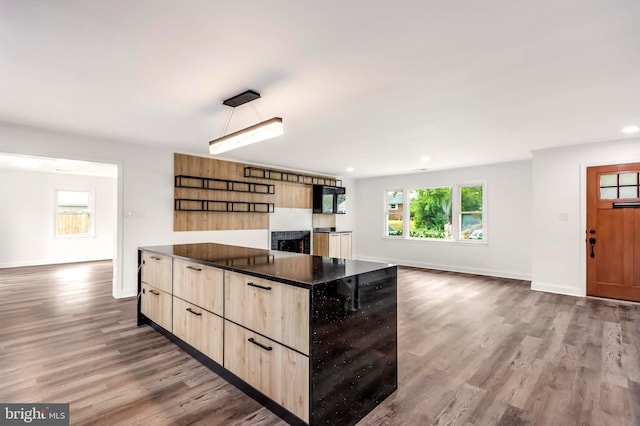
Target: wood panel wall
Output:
{"points": [[287, 194]]}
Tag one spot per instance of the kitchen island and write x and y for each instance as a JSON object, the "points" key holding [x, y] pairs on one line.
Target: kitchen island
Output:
{"points": [[312, 338]]}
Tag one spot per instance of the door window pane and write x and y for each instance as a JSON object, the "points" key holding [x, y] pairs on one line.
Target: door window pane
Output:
{"points": [[608, 180], [628, 179], [608, 193], [628, 192]]}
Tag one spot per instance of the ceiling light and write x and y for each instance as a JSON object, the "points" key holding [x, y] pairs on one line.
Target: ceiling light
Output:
{"points": [[424, 158], [252, 134], [350, 169], [630, 129]]}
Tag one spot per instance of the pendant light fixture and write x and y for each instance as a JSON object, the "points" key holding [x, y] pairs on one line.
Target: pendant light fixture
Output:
{"points": [[265, 129]]}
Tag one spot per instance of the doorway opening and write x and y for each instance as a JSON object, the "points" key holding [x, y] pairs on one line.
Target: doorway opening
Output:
{"points": [[63, 210]]}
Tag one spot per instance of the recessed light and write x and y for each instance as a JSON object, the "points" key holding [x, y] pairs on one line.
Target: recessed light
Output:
{"points": [[424, 158], [630, 129], [350, 169]]}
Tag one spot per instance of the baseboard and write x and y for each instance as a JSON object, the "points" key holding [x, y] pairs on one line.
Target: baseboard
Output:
{"points": [[557, 289], [454, 268]]}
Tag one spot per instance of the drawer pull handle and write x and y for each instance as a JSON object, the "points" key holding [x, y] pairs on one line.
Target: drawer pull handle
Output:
{"points": [[193, 268], [198, 314], [154, 292], [266, 348], [155, 258], [259, 286]]}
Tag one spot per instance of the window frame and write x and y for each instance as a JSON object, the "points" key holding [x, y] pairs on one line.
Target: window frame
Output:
{"points": [[456, 213], [385, 231], [92, 213]]}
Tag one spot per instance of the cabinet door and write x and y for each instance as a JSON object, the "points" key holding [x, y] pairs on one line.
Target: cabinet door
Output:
{"points": [[334, 245], [278, 372], [279, 311], [321, 244], [155, 304], [156, 271], [199, 284], [345, 245], [199, 328]]}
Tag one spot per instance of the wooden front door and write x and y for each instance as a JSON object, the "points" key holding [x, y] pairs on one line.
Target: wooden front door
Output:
{"points": [[613, 231]]}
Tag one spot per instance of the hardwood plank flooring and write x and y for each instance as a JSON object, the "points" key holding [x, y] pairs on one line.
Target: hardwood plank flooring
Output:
{"points": [[472, 351]]}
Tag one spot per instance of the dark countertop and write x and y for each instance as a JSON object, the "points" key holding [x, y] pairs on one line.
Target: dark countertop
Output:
{"points": [[291, 268]]}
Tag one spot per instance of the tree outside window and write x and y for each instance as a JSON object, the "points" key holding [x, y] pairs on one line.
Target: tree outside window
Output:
{"points": [[430, 213], [471, 213], [450, 213]]}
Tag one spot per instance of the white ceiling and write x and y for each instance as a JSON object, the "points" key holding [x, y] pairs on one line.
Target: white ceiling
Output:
{"points": [[56, 165], [374, 85]]}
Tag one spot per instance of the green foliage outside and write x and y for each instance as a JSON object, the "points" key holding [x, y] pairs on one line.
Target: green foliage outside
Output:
{"points": [[470, 201], [395, 227], [430, 211]]}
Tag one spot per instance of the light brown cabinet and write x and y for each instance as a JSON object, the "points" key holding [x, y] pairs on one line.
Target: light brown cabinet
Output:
{"points": [[156, 271], [155, 304], [278, 372], [199, 328], [199, 284], [276, 310], [332, 244]]}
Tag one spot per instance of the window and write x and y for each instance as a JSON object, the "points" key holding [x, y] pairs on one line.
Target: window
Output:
{"points": [[446, 213], [430, 213], [394, 219], [74, 215], [471, 213]]}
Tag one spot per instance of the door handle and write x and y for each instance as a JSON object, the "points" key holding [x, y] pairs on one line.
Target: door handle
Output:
{"points": [[592, 242]]}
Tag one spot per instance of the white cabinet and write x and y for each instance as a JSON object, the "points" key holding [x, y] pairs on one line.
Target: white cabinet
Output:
{"points": [[332, 244]]}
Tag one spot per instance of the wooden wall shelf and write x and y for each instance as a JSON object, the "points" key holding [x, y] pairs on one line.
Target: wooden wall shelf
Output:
{"points": [[195, 182], [287, 176], [191, 205]]}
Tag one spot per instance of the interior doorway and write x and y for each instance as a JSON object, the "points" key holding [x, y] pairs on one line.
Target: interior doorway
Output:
{"points": [[32, 229], [613, 231]]}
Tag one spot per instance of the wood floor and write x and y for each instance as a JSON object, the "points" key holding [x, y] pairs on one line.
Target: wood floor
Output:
{"points": [[472, 351]]}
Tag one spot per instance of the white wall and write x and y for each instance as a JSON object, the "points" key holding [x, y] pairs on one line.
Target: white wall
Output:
{"points": [[558, 251], [27, 219], [145, 189], [508, 249]]}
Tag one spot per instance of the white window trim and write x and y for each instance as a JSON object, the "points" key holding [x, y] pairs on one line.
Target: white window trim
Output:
{"points": [[92, 216], [455, 215]]}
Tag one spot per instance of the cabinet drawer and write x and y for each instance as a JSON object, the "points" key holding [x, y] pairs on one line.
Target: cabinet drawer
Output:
{"points": [[156, 271], [276, 310], [278, 372], [199, 328], [199, 284], [155, 304]]}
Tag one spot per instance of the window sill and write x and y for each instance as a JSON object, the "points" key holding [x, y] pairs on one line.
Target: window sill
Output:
{"points": [[471, 243]]}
